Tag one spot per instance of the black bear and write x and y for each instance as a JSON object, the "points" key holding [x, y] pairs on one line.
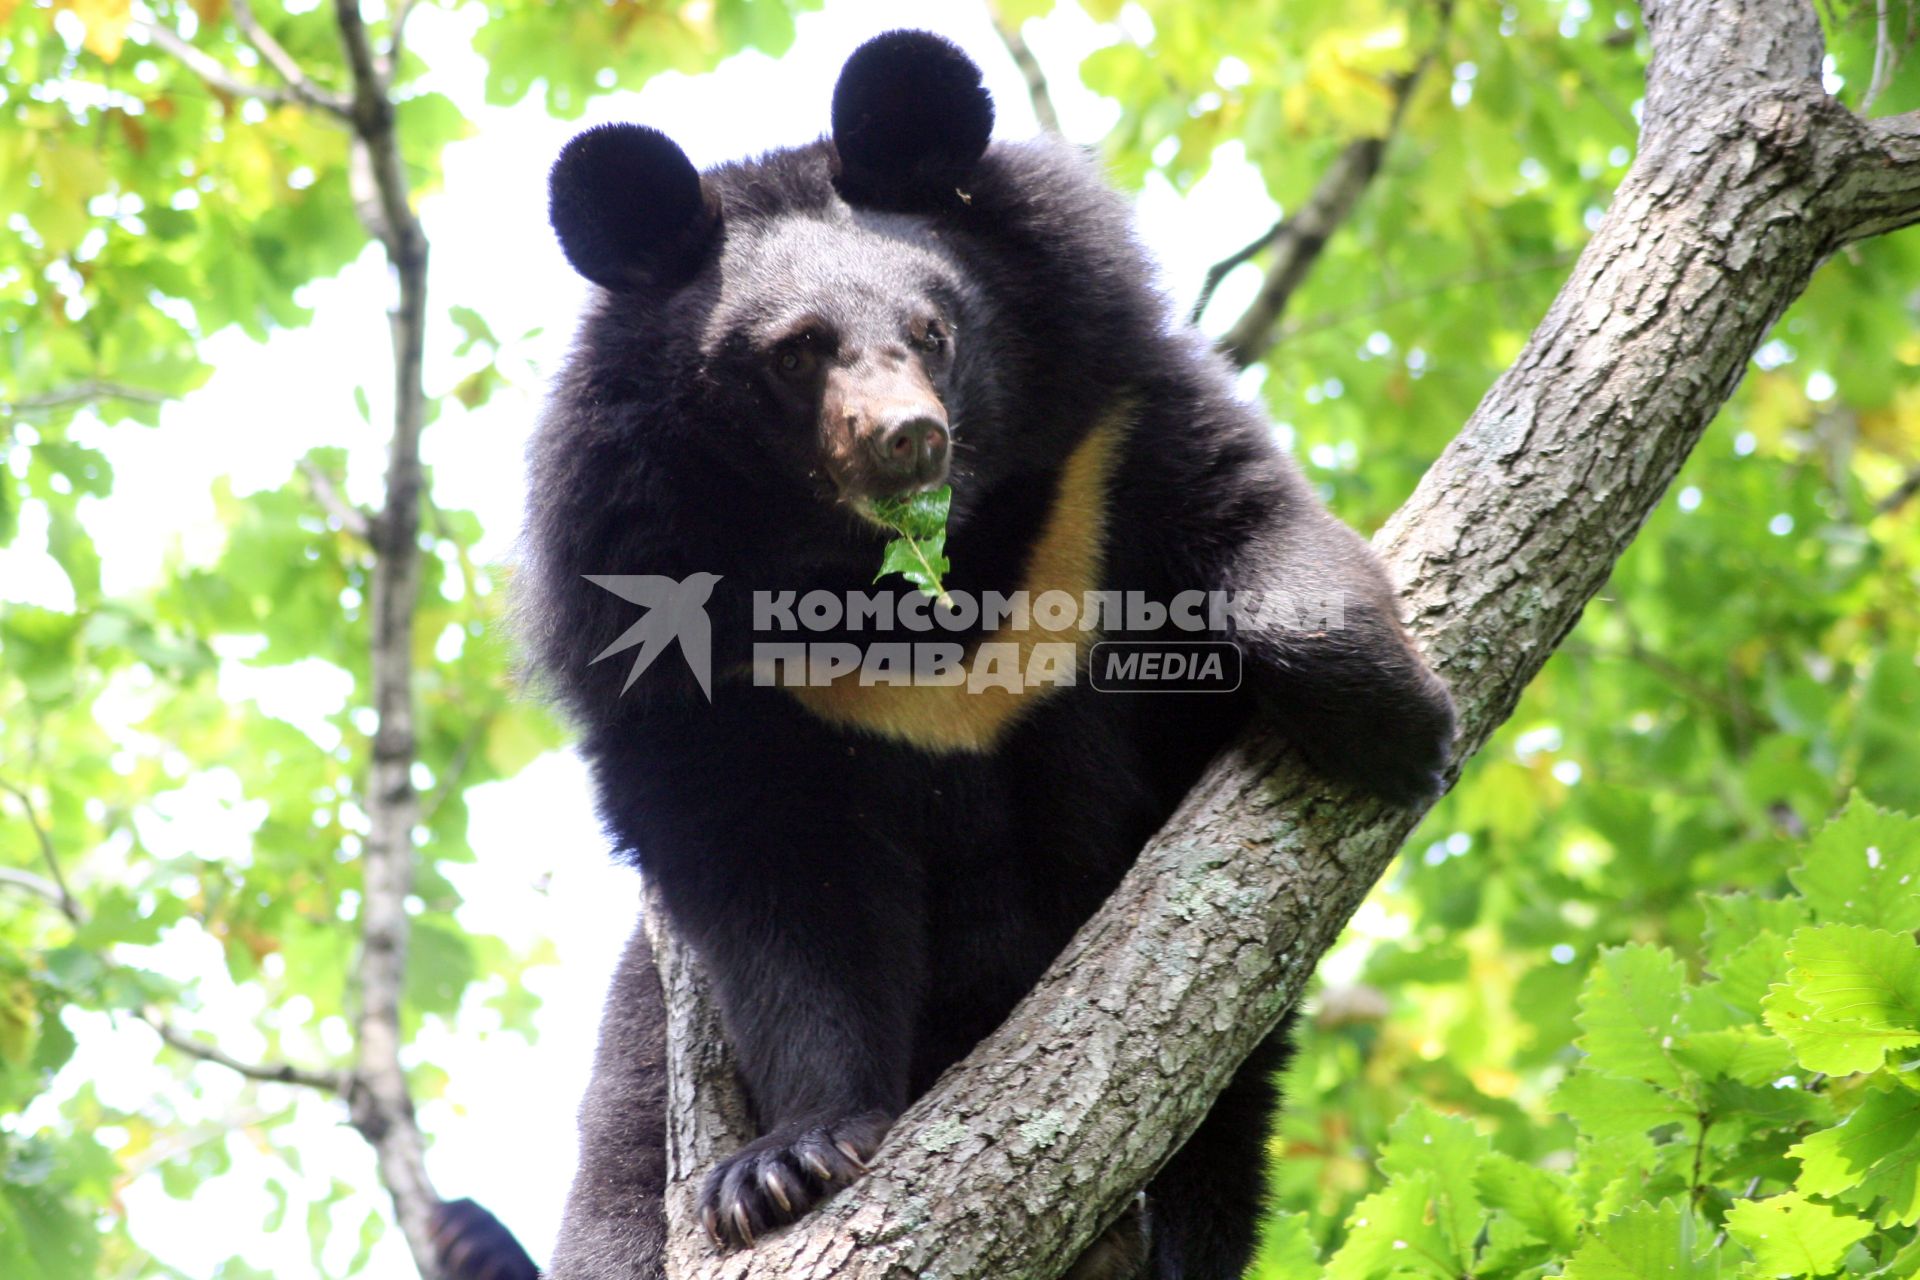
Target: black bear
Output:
{"points": [[874, 870]]}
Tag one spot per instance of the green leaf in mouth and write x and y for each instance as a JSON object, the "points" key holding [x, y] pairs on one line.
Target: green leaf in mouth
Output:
{"points": [[920, 520]]}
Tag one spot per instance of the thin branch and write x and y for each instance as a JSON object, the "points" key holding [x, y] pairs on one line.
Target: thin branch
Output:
{"points": [[1030, 70], [210, 69], [396, 40], [82, 393], [1447, 284], [38, 886], [1298, 240], [351, 517], [299, 84], [336, 1082], [1222, 269], [68, 904], [1899, 495], [1883, 58]]}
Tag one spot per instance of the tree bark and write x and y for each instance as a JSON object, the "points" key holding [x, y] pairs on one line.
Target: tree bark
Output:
{"points": [[1749, 176]]}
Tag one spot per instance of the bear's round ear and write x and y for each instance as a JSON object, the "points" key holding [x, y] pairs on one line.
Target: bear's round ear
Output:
{"points": [[630, 209], [910, 119]]}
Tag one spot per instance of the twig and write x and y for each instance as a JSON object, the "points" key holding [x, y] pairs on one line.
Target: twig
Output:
{"points": [[1387, 301], [1753, 1185], [337, 1082], [396, 40], [211, 69], [1883, 58], [299, 84], [38, 886], [68, 904], [1222, 269], [55, 890], [1298, 239], [1899, 495], [82, 393], [354, 520], [1030, 70]]}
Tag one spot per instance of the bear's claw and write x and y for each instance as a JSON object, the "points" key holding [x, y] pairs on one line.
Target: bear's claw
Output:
{"points": [[776, 1179]]}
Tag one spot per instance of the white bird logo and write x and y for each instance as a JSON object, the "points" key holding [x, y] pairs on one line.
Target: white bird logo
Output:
{"points": [[675, 611]]}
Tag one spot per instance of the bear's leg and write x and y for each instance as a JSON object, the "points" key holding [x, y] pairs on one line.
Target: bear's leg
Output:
{"points": [[814, 939], [1119, 1252], [1203, 1209], [1334, 671], [615, 1225]]}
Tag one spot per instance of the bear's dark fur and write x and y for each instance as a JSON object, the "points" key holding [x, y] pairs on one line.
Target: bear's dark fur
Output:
{"points": [[873, 879]]}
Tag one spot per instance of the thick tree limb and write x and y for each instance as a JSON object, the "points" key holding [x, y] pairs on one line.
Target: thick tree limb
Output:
{"points": [[1749, 175], [380, 1105]]}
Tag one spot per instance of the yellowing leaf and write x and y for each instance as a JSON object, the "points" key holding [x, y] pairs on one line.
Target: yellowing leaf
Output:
{"points": [[106, 24]]}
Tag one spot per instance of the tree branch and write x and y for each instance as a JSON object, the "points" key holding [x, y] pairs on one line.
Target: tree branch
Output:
{"points": [[1298, 239], [1387, 301], [38, 886], [55, 891], [1019, 1155], [396, 40], [82, 393], [276, 56], [354, 520], [1898, 496], [1030, 70], [380, 1105], [218, 77], [210, 69], [63, 896], [337, 1082]]}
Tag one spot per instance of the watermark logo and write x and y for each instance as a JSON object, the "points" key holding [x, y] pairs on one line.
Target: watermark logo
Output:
{"points": [[1123, 642], [1164, 666], [676, 610]]}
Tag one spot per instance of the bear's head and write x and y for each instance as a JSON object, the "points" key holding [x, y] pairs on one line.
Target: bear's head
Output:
{"points": [[809, 295]]}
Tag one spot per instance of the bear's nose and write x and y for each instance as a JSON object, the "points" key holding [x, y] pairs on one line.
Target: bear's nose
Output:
{"points": [[913, 448]]}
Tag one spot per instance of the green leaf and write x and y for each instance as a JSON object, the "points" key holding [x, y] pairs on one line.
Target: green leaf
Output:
{"points": [[1873, 1155], [1853, 994], [1631, 1010], [1538, 1200], [1647, 1242], [1403, 1231], [1790, 1235], [1605, 1106], [1863, 867], [916, 555]]}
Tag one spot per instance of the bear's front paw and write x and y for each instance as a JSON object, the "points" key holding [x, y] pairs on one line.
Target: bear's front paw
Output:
{"points": [[1394, 747], [773, 1180]]}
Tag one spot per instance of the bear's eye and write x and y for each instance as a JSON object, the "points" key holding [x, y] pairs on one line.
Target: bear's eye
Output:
{"points": [[933, 337], [795, 358]]}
